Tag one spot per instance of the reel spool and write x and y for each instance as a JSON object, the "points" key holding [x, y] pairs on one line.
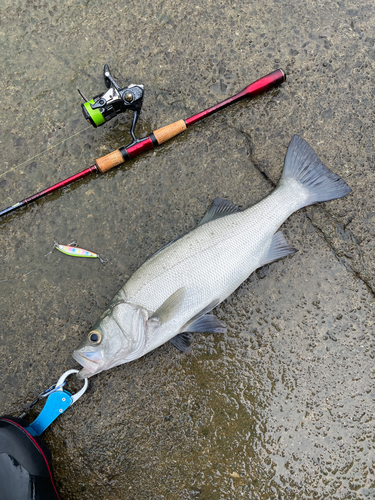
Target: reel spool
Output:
{"points": [[103, 107]]}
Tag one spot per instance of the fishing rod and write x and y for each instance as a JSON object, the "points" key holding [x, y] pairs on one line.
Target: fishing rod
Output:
{"points": [[109, 104]]}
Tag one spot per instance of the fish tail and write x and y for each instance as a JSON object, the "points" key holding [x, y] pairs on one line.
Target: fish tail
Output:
{"points": [[303, 165]]}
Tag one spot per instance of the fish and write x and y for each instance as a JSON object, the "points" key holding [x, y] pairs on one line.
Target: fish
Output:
{"points": [[173, 293]]}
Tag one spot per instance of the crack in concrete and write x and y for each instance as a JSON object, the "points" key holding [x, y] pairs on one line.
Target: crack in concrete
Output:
{"points": [[318, 229], [250, 150], [343, 262], [352, 237]]}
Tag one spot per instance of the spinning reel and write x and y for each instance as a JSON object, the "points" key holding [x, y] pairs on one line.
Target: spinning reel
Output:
{"points": [[114, 101]]}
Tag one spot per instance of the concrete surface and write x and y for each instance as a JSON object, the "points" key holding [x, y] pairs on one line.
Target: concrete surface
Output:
{"points": [[281, 407]]}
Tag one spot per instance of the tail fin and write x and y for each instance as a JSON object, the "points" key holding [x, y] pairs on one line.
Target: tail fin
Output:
{"points": [[302, 164]]}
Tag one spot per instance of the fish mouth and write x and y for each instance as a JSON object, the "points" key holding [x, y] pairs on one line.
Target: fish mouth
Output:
{"points": [[91, 362]]}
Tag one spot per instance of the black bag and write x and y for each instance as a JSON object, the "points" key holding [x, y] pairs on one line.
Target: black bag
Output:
{"points": [[25, 464]]}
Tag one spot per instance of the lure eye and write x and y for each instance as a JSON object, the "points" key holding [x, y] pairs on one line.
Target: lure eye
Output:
{"points": [[95, 337]]}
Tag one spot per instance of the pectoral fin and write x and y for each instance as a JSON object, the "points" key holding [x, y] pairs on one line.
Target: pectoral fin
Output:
{"points": [[169, 307]]}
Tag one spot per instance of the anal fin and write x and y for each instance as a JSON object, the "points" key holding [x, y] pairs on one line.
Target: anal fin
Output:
{"points": [[279, 248]]}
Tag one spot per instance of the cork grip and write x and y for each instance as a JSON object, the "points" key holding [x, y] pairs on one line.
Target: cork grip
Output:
{"points": [[169, 131], [109, 161]]}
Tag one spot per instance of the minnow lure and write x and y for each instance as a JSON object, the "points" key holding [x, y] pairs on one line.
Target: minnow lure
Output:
{"points": [[74, 251]]}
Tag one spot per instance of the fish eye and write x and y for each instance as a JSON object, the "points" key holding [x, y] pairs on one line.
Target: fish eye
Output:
{"points": [[95, 337]]}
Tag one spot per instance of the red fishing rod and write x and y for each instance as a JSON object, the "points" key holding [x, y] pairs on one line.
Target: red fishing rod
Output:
{"points": [[116, 100]]}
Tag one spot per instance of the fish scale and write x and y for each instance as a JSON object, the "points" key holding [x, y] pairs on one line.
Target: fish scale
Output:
{"points": [[175, 289]]}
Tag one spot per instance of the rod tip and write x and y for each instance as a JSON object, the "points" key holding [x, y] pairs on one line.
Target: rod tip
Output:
{"points": [[284, 74]]}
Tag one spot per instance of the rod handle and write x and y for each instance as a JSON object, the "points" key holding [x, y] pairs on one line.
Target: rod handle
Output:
{"points": [[165, 133], [109, 161]]}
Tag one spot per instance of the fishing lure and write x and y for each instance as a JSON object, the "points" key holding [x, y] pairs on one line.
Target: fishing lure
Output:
{"points": [[74, 251]]}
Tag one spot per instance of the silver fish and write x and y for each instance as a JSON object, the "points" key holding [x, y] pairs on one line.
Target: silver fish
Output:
{"points": [[174, 291]]}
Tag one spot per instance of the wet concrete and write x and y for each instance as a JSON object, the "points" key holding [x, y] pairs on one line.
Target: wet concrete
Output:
{"points": [[279, 407]]}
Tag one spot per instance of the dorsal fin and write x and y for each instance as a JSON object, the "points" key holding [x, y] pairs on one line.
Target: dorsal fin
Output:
{"points": [[219, 208]]}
